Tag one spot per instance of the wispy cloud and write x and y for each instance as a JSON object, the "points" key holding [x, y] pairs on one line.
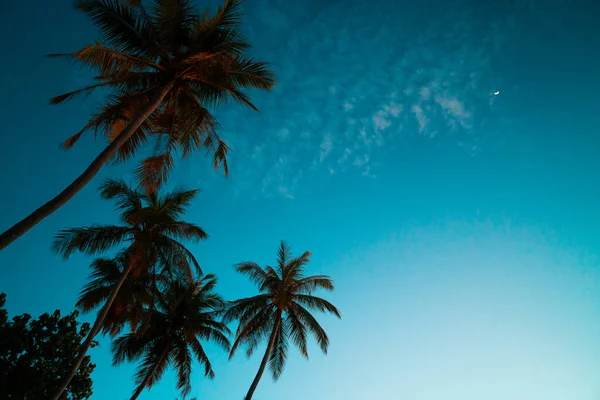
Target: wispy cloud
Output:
{"points": [[326, 146], [348, 89]]}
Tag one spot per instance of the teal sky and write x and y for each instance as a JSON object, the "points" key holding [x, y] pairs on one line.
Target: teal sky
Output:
{"points": [[462, 228]]}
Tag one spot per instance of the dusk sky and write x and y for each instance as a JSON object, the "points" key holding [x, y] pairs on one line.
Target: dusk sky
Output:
{"points": [[460, 225]]}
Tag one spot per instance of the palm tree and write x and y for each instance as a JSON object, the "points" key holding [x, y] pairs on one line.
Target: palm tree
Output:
{"points": [[151, 227], [162, 65], [280, 312], [184, 315]]}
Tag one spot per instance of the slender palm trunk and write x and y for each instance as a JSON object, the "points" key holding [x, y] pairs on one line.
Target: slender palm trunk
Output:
{"points": [[144, 384], [93, 332], [265, 360], [106, 155]]}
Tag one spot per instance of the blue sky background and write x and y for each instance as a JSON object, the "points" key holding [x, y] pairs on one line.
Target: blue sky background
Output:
{"points": [[461, 228]]}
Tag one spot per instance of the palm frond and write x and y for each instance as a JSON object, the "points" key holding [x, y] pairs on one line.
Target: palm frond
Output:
{"points": [[246, 307], [216, 332], [86, 91], [216, 91], [202, 358], [154, 363], [172, 20], [176, 202], [129, 347], [121, 26], [311, 323], [112, 63], [311, 283], [89, 239], [248, 333], [317, 303], [278, 355], [154, 171], [183, 365], [195, 124], [283, 256], [229, 41], [229, 15], [295, 267], [105, 274], [127, 200], [247, 73], [177, 255], [253, 271], [297, 331]]}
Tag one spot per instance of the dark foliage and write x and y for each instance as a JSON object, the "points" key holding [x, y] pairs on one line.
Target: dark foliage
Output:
{"points": [[36, 353]]}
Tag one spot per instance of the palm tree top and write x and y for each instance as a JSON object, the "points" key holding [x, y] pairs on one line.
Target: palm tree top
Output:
{"points": [[282, 307], [151, 226], [286, 276], [185, 314], [147, 46]]}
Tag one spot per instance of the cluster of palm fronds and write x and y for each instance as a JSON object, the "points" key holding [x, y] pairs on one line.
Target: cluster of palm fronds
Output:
{"points": [[154, 288], [163, 68]]}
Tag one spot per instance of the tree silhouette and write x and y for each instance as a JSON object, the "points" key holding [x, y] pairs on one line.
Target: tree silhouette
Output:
{"points": [[164, 65], [280, 312]]}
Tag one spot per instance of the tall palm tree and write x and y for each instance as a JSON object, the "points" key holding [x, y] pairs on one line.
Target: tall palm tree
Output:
{"points": [[184, 315], [163, 65], [280, 312], [151, 228]]}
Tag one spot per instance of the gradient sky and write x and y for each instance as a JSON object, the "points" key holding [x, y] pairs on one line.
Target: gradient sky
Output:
{"points": [[462, 228]]}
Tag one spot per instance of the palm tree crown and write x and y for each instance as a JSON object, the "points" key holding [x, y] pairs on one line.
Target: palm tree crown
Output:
{"points": [[150, 225], [185, 313], [281, 311], [145, 49]]}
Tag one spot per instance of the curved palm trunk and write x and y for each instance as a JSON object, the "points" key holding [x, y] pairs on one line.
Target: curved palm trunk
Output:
{"points": [[106, 155], [144, 384], [265, 359], [93, 332]]}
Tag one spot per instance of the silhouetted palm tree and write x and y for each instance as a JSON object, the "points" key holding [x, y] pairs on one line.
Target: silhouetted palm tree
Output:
{"points": [[163, 65], [152, 230], [184, 315], [280, 312]]}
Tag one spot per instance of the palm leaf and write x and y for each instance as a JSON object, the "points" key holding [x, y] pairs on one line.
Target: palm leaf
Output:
{"points": [[279, 354], [244, 307], [121, 26], [248, 333], [310, 284], [183, 365], [253, 271], [86, 91], [317, 303], [297, 331], [248, 73], [202, 358], [127, 200], [89, 239], [311, 323]]}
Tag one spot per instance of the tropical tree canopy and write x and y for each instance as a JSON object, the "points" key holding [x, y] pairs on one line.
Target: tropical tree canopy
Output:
{"points": [[184, 315], [162, 66], [166, 48], [150, 226], [282, 311]]}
